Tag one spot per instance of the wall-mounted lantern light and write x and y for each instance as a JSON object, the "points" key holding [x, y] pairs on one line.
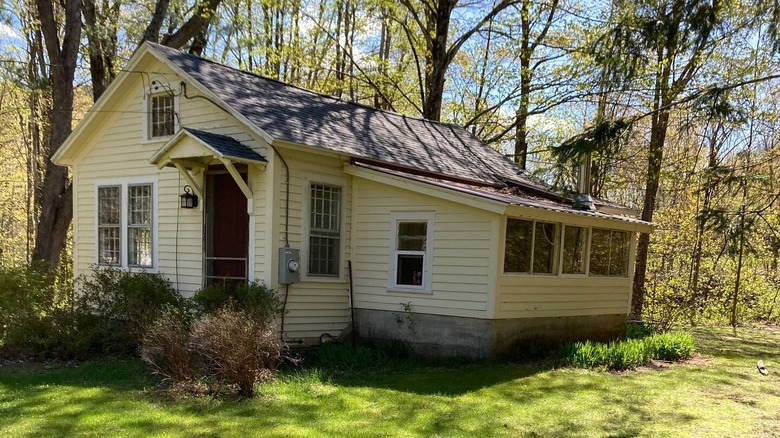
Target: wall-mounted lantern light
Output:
{"points": [[188, 199]]}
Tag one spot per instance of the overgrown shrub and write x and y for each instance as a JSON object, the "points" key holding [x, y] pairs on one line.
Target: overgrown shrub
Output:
{"points": [[165, 346], [114, 307], [631, 353], [235, 348], [35, 314], [255, 299], [228, 338]]}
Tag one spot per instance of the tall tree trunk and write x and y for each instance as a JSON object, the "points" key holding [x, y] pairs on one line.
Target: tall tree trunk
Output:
{"points": [[708, 189], [152, 32], [202, 16], [658, 127], [666, 89], [737, 280], [101, 30], [436, 56], [56, 207], [528, 46]]}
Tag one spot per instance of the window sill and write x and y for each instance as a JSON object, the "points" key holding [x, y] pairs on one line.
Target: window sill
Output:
{"points": [[405, 290], [528, 274], [135, 269], [156, 140]]}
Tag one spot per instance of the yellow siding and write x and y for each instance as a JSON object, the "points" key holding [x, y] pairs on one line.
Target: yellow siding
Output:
{"points": [[314, 306], [462, 248], [116, 149]]}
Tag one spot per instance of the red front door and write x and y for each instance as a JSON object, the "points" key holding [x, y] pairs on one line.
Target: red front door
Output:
{"points": [[227, 229]]}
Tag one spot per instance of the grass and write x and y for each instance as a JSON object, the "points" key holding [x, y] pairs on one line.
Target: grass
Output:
{"points": [[719, 393]]}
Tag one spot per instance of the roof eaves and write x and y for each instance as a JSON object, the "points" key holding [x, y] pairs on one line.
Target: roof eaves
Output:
{"points": [[398, 179], [507, 199]]}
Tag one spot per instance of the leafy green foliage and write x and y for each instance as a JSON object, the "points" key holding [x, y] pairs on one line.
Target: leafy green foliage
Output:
{"points": [[115, 307], [254, 298], [593, 139], [344, 357], [639, 329], [630, 353], [35, 316], [107, 315]]}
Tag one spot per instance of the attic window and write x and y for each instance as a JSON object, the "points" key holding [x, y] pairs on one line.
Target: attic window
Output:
{"points": [[162, 113]]}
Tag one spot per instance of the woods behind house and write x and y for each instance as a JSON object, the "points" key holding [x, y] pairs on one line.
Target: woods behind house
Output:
{"points": [[675, 100]]}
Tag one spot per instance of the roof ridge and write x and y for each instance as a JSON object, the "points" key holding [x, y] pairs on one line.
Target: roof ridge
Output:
{"points": [[318, 93]]}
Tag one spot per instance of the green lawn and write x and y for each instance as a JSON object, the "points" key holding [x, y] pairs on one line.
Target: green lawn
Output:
{"points": [[719, 393]]}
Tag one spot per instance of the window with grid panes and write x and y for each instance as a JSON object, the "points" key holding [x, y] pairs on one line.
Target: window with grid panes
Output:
{"points": [[324, 231], [109, 225], [162, 115], [139, 225], [125, 225]]}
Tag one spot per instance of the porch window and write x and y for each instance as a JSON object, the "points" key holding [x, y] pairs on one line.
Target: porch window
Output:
{"points": [[410, 258], [609, 253], [325, 231], [530, 246], [574, 241], [125, 225], [162, 115]]}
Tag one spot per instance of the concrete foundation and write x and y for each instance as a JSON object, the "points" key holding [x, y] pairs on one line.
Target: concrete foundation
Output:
{"points": [[451, 336]]}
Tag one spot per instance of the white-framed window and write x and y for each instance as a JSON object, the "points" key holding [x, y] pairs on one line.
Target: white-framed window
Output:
{"points": [[324, 243], [574, 255], [531, 247], [162, 109], [109, 201], [411, 260], [126, 223], [609, 253]]}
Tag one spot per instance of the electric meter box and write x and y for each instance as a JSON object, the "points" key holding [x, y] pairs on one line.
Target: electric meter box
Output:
{"points": [[289, 265]]}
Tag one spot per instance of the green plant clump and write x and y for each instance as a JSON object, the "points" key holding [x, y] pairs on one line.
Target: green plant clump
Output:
{"points": [[628, 354], [345, 357], [35, 316], [113, 309], [254, 298]]}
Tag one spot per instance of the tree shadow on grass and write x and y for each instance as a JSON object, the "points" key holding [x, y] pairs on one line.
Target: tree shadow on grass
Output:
{"points": [[740, 343], [451, 380]]}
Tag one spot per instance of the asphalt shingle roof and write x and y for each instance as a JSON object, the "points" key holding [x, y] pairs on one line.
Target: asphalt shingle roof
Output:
{"points": [[301, 116], [225, 145]]}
